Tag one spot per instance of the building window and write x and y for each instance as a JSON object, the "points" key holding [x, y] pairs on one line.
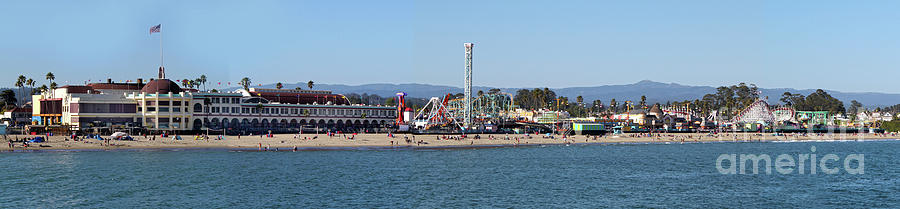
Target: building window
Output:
{"points": [[163, 109], [176, 103], [198, 108], [176, 109]]}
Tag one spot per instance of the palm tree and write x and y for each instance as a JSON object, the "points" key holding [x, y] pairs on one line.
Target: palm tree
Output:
{"points": [[259, 107], [310, 84], [44, 88], [202, 80], [279, 85], [20, 82], [50, 77], [643, 101], [614, 106], [245, 82], [30, 82], [197, 82]]}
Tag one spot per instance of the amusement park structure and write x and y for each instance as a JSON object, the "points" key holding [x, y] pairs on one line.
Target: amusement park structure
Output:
{"points": [[401, 106], [467, 112], [435, 114], [757, 112], [761, 112], [484, 107], [491, 108]]}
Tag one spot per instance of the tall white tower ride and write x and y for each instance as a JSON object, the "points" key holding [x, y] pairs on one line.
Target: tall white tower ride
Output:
{"points": [[467, 115]]}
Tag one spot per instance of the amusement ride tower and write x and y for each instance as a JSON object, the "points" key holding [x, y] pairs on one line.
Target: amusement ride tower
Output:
{"points": [[467, 115]]}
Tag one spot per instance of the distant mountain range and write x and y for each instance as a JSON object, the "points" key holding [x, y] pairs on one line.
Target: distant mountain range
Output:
{"points": [[655, 92]]}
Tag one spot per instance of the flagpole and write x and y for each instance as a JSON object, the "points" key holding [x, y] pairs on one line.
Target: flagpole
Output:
{"points": [[160, 48]]}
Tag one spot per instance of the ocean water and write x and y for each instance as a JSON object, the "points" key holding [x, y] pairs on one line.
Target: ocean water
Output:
{"points": [[629, 175]]}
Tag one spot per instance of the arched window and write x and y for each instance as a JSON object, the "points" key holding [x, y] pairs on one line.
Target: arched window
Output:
{"points": [[198, 107]]}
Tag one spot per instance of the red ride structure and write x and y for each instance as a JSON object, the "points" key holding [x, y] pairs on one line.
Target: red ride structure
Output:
{"points": [[401, 105]]}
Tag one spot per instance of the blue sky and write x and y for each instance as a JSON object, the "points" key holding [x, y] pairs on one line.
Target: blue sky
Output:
{"points": [[840, 45]]}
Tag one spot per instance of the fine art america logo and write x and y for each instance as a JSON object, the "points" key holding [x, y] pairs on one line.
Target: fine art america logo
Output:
{"points": [[809, 163]]}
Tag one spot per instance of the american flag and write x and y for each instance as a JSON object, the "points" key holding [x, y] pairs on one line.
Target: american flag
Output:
{"points": [[155, 29]]}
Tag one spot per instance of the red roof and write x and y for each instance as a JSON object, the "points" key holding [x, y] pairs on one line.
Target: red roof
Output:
{"points": [[161, 86], [116, 86], [79, 89]]}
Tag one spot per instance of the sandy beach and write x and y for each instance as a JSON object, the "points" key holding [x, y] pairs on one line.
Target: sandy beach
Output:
{"points": [[288, 141]]}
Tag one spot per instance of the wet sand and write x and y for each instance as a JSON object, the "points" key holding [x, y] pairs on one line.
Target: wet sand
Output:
{"points": [[288, 141]]}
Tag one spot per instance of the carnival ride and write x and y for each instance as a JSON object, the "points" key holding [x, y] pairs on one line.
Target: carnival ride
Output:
{"points": [[761, 112], [785, 114], [447, 112], [435, 114], [757, 112], [680, 112], [484, 107]]}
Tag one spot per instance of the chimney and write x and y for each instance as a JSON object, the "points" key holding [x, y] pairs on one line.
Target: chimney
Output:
{"points": [[109, 80]]}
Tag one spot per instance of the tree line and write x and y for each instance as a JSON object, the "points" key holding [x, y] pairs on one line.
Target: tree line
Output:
{"points": [[9, 97], [816, 101], [728, 100]]}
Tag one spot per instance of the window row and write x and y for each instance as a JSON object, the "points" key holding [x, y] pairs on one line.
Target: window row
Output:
{"points": [[164, 103], [224, 100], [161, 109], [310, 112]]}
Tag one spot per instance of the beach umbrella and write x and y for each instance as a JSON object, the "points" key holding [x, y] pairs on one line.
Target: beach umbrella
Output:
{"points": [[118, 135]]}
